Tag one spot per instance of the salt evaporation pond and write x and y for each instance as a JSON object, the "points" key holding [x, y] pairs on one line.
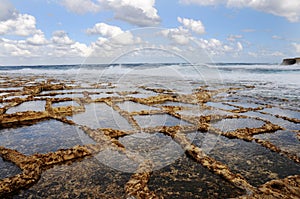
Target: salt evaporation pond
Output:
{"points": [[42, 137]]}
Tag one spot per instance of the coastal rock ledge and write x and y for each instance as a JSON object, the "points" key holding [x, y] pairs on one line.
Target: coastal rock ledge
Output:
{"points": [[291, 61]]}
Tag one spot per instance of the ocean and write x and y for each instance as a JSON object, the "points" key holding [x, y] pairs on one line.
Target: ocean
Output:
{"points": [[274, 79], [178, 130]]}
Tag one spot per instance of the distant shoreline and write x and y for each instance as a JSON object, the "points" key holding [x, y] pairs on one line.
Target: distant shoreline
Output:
{"points": [[132, 64], [291, 61]]}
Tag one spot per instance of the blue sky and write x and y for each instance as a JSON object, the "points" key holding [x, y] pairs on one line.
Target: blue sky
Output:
{"points": [[76, 31]]}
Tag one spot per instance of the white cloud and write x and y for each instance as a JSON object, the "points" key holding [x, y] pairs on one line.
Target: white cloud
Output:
{"points": [[81, 6], [37, 39], [266, 53], [138, 12], [14, 48], [288, 9], [105, 30], [234, 37], [239, 46], [60, 37], [18, 24], [126, 38], [215, 47], [192, 24], [277, 37], [101, 41], [34, 47], [115, 35], [178, 35], [203, 3], [81, 49], [21, 52], [277, 54], [182, 38], [296, 47]]}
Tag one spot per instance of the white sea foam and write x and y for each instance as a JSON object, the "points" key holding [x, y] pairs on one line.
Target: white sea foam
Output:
{"points": [[224, 72]]}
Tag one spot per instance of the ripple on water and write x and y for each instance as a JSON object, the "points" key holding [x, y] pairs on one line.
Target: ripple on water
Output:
{"points": [[187, 179], [285, 140], [146, 121], [65, 103], [43, 137], [28, 106], [88, 178], [103, 95], [203, 112], [220, 105], [227, 125], [275, 120], [100, 115], [8, 169], [130, 106], [283, 112], [75, 95], [256, 163], [162, 150]]}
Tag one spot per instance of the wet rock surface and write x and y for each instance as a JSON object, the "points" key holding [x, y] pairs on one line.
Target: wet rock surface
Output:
{"points": [[8, 169], [60, 138]]}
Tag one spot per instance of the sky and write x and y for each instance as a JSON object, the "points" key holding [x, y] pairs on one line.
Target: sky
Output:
{"points": [[37, 32]]}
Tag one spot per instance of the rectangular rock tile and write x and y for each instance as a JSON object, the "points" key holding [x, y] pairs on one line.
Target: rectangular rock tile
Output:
{"points": [[254, 162], [43, 137]]}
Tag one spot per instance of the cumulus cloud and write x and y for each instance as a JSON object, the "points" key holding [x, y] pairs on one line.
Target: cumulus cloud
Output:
{"points": [[194, 25], [203, 3], [266, 53], [53, 51], [100, 41], [216, 47], [288, 9], [182, 38], [80, 49], [34, 44], [37, 39], [14, 48], [138, 12], [19, 24], [212, 46], [105, 30], [113, 35], [61, 37], [127, 38], [179, 35], [81, 6]]}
